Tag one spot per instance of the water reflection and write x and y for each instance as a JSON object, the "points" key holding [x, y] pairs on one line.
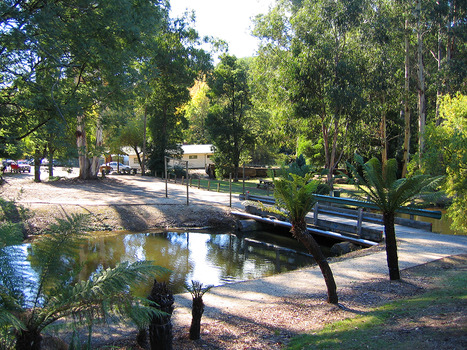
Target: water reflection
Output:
{"points": [[208, 258]]}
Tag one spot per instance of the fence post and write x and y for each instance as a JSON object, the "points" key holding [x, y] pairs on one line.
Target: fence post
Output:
{"points": [[199, 183], [218, 187], [165, 169], [315, 214], [230, 190], [209, 185], [187, 185], [183, 180], [359, 222], [243, 178]]}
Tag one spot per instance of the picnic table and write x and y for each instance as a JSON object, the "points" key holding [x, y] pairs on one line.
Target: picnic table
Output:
{"points": [[265, 184]]}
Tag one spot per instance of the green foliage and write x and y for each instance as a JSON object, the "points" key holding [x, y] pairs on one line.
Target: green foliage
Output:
{"points": [[379, 184], [295, 195], [197, 290], [196, 112], [229, 119], [29, 303], [179, 63], [446, 153], [297, 167]]}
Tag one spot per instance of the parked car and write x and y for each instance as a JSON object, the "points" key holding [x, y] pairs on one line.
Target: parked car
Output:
{"points": [[112, 167], [23, 166]]}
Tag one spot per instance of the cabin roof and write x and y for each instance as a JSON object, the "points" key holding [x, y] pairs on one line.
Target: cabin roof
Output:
{"points": [[197, 149]]}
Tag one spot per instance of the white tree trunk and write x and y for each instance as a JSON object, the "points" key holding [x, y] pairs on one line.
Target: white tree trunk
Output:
{"points": [[407, 135], [421, 84], [95, 159]]}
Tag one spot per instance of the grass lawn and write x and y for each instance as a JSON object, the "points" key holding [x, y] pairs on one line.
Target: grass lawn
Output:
{"points": [[434, 320]]}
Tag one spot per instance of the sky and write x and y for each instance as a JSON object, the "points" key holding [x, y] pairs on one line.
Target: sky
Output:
{"points": [[229, 20]]}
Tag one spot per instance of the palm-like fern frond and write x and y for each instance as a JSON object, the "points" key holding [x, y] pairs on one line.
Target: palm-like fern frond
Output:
{"points": [[296, 195], [380, 184], [105, 293]]}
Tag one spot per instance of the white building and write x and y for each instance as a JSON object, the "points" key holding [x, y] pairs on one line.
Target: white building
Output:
{"points": [[198, 156]]}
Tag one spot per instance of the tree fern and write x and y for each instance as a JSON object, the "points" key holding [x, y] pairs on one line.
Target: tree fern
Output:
{"points": [[380, 185], [32, 302], [296, 197]]}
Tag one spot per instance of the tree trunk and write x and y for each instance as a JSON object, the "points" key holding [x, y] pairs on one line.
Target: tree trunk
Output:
{"points": [[37, 165], [407, 135], [95, 160], [143, 162], [84, 165], [50, 157], [384, 138], [391, 246], [28, 340], [196, 312], [299, 231], [421, 84]]}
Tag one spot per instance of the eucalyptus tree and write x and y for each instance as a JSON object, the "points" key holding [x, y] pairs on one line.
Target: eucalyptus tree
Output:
{"points": [[384, 31], [379, 184], [229, 117], [321, 67], [179, 61]]}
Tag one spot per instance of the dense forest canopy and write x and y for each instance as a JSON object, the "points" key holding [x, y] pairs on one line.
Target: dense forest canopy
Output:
{"points": [[330, 78]]}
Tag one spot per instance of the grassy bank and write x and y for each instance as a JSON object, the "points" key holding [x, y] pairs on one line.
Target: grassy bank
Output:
{"points": [[432, 320]]}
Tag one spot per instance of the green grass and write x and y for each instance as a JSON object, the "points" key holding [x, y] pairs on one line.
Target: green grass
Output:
{"points": [[373, 330], [223, 186]]}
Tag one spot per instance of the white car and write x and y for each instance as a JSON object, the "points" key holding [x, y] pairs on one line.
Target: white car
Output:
{"points": [[23, 166], [113, 167]]}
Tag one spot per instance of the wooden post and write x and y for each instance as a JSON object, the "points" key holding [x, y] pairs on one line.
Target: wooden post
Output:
{"points": [[183, 180], [218, 187], [209, 185], [315, 213], [187, 186], [243, 178], [165, 167], [199, 183], [359, 222], [230, 190]]}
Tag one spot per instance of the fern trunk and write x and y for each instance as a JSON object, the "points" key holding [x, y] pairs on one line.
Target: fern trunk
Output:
{"points": [[160, 329], [391, 246], [28, 340], [197, 313], [299, 231]]}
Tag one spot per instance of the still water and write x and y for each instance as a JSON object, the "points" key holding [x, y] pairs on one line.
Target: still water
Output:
{"points": [[210, 258]]}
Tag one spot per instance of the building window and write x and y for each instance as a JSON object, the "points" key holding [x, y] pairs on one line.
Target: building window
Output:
{"points": [[192, 157], [135, 160], [209, 156]]}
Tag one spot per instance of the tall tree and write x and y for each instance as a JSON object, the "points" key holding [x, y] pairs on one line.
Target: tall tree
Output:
{"points": [[196, 114], [179, 63], [228, 119], [321, 70]]}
